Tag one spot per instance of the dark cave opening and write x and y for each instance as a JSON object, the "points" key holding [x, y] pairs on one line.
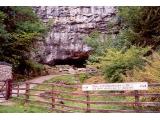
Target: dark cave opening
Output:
{"points": [[76, 59], [73, 62]]}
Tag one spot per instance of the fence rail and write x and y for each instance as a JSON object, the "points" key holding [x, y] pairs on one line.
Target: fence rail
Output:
{"points": [[136, 105]]}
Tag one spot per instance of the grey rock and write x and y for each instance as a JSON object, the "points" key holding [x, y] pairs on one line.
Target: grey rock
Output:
{"points": [[5, 72], [71, 26]]}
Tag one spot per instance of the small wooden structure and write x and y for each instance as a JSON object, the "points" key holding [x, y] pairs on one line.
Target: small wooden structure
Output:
{"points": [[5, 80]]}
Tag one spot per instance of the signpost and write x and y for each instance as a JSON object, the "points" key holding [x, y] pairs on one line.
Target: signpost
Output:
{"points": [[116, 86]]}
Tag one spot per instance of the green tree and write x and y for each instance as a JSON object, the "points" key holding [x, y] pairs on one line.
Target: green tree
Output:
{"points": [[142, 24], [19, 28]]}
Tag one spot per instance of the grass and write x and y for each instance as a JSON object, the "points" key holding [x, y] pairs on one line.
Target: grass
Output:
{"points": [[70, 79], [19, 107]]}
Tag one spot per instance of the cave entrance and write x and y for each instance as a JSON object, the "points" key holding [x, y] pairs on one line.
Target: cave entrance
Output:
{"points": [[79, 63]]}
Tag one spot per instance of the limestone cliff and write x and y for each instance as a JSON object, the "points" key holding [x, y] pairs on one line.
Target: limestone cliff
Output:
{"points": [[70, 26]]}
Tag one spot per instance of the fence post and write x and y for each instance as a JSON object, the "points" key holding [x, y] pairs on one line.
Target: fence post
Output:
{"points": [[88, 100], [53, 97], [137, 99], [76, 75], [8, 89], [27, 92], [18, 91]]}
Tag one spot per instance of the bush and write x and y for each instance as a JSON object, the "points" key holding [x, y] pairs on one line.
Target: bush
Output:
{"points": [[98, 45], [115, 63], [33, 68], [150, 74]]}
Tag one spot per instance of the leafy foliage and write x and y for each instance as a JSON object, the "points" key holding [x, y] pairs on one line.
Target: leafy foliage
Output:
{"points": [[115, 63], [94, 41], [142, 24], [19, 28], [34, 68], [150, 72], [98, 45]]}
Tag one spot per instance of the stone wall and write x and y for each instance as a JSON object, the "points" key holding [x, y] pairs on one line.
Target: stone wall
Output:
{"points": [[70, 26], [5, 72]]}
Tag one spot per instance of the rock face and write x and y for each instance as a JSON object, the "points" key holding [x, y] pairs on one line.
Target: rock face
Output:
{"points": [[64, 42]]}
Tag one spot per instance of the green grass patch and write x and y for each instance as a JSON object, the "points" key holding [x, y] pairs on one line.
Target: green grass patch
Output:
{"points": [[66, 79], [22, 108]]}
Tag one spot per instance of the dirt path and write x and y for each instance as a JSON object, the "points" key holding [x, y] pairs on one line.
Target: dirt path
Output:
{"points": [[35, 80]]}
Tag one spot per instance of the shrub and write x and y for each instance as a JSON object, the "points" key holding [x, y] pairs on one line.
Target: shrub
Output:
{"points": [[115, 63], [150, 74], [98, 45], [34, 68]]}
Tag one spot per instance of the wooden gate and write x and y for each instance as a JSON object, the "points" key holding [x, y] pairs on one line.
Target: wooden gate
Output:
{"points": [[5, 89]]}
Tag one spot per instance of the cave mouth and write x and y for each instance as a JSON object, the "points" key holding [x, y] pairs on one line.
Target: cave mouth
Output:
{"points": [[79, 63]]}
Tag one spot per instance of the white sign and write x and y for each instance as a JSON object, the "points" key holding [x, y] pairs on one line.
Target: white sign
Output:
{"points": [[116, 86]]}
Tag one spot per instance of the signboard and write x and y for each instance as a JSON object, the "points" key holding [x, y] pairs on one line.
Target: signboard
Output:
{"points": [[116, 86]]}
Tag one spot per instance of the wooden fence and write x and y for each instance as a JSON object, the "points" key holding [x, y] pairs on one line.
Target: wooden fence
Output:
{"points": [[72, 99]]}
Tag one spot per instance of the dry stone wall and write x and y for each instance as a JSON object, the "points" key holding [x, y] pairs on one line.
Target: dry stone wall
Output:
{"points": [[5, 72]]}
